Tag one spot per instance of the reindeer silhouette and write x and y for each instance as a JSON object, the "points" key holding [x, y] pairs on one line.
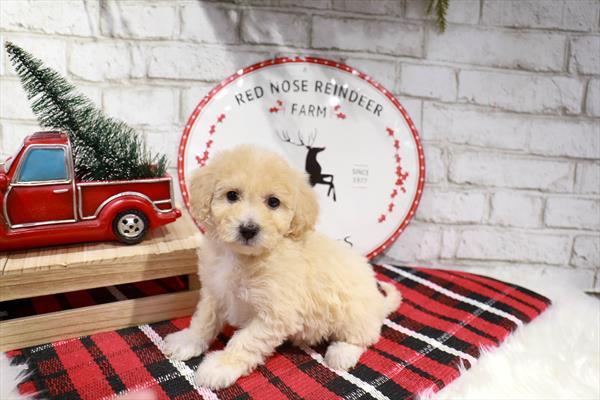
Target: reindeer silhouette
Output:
{"points": [[312, 166]]}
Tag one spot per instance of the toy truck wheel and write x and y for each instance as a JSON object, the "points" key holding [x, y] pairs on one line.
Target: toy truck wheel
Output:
{"points": [[130, 226]]}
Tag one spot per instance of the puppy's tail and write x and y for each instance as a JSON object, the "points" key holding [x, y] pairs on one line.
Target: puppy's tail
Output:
{"points": [[392, 296]]}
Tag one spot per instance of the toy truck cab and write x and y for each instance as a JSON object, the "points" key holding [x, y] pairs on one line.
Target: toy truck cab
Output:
{"points": [[43, 203]]}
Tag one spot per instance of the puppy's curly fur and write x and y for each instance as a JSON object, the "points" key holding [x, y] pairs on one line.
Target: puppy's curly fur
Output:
{"points": [[265, 270]]}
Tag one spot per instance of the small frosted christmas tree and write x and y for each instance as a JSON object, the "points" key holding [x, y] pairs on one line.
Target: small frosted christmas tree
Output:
{"points": [[103, 148]]}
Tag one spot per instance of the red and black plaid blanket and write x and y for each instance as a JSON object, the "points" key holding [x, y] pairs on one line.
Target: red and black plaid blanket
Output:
{"points": [[444, 319]]}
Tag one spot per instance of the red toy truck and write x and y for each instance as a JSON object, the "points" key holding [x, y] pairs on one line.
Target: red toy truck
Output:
{"points": [[42, 203]]}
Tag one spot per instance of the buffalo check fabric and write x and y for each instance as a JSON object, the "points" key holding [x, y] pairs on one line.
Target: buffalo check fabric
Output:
{"points": [[444, 319]]}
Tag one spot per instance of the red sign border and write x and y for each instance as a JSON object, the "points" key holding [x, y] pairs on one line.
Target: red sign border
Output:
{"points": [[332, 64]]}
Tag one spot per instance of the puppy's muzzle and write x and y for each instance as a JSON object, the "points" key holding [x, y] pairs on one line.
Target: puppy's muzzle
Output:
{"points": [[249, 230]]}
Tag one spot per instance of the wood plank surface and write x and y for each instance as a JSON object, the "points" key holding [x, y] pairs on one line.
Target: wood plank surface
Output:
{"points": [[179, 235], [168, 251], [39, 329]]}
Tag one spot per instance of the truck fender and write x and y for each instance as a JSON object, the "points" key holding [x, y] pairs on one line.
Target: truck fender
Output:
{"points": [[110, 211]]}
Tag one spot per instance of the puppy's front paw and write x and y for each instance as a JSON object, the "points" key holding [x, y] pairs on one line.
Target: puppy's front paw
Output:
{"points": [[183, 345], [342, 355], [217, 371]]}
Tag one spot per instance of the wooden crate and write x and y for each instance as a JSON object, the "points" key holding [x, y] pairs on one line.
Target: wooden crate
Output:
{"points": [[168, 251]]}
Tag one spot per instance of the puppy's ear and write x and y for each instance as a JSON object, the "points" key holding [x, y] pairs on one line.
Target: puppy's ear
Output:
{"points": [[202, 187], [307, 208]]}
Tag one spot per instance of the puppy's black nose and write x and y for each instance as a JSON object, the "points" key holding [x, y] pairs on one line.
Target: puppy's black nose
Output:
{"points": [[249, 230]]}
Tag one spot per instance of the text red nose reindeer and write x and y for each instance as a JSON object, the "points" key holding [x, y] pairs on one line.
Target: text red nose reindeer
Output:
{"points": [[312, 166]]}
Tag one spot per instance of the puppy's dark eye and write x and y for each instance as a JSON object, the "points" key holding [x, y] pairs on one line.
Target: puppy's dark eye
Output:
{"points": [[233, 196], [273, 202]]}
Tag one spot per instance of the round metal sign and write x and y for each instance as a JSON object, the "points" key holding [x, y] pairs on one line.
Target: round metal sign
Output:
{"points": [[358, 146]]}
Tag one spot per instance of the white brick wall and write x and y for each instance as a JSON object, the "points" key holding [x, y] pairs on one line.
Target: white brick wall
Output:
{"points": [[427, 81], [459, 11], [208, 24], [593, 98], [373, 36], [566, 212], [576, 15], [582, 59], [138, 20], [588, 178], [521, 92], [507, 101], [468, 207], [120, 61], [517, 246], [492, 169], [498, 47], [142, 106], [518, 209], [265, 27]]}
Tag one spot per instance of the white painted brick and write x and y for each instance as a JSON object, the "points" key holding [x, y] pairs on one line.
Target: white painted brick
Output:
{"points": [[414, 109], [417, 242], [499, 170], [516, 209], [450, 238], [509, 49], [318, 4], [51, 51], [586, 252], [579, 139], [384, 72], [101, 61], [164, 140], [428, 81], [511, 245], [76, 17], [190, 97], [521, 92], [260, 26], [579, 15], [206, 23], [593, 98], [138, 20], [587, 179], [321, 4], [198, 63], [435, 168], [387, 7], [382, 37], [585, 55], [450, 206], [141, 106], [5, 67], [13, 134], [472, 127], [459, 11], [566, 212], [13, 101]]}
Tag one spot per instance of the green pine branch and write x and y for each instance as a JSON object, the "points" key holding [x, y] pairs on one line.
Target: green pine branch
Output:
{"points": [[103, 148], [441, 10]]}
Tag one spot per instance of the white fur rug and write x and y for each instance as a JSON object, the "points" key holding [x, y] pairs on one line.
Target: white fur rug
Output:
{"points": [[557, 356], [10, 375]]}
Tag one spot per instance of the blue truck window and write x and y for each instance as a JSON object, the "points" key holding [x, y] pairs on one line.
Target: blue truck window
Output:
{"points": [[44, 165]]}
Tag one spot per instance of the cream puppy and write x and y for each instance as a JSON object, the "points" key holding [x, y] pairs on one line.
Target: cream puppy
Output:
{"points": [[264, 269]]}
